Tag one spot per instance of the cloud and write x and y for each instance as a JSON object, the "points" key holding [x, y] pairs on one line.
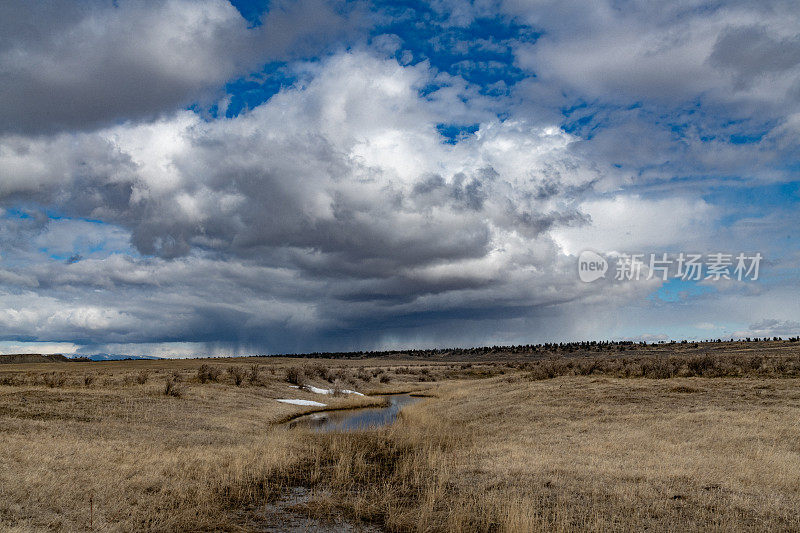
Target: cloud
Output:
{"points": [[37, 347], [311, 170], [663, 53], [336, 213], [335, 206], [772, 327], [81, 65], [684, 96], [751, 52], [630, 223]]}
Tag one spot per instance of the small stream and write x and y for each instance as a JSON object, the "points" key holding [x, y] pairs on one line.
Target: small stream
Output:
{"points": [[355, 419], [285, 513]]}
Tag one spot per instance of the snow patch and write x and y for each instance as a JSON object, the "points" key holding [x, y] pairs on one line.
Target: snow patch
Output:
{"points": [[317, 390], [303, 402]]}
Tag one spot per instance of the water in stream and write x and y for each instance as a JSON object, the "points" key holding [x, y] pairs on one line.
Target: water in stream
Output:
{"points": [[355, 419]]}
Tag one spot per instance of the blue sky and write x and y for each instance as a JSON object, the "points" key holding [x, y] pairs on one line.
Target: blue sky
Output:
{"points": [[193, 178]]}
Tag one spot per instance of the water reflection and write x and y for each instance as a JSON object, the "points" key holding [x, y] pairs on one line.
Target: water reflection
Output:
{"points": [[355, 419]]}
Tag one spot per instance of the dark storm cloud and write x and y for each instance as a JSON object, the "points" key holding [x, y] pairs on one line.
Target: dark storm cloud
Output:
{"points": [[79, 65]]}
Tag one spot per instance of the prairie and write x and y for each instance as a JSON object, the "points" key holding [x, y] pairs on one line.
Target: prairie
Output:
{"points": [[669, 438]]}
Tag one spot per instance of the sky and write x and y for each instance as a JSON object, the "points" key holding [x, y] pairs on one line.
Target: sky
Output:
{"points": [[204, 177]]}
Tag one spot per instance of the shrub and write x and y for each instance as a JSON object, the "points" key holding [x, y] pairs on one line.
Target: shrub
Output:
{"points": [[207, 373], [254, 374], [755, 362], [56, 379], [385, 378], [8, 379], [631, 368], [295, 375], [658, 369], [701, 365], [88, 379], [781, 365], [544, 370], [319, 370], [237, 374], [172, 388], [142, 377], [587, 368], [342, 375]]}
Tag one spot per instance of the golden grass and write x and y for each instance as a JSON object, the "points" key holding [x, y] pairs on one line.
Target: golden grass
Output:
{"points": [[145, 460], [575, 454], [502, 453]]}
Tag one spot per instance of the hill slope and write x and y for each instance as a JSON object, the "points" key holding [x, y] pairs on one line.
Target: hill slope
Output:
{"points": [[16, 358]]}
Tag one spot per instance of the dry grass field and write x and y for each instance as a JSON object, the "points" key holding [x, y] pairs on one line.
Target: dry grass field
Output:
{"points": [[669, 438]]}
